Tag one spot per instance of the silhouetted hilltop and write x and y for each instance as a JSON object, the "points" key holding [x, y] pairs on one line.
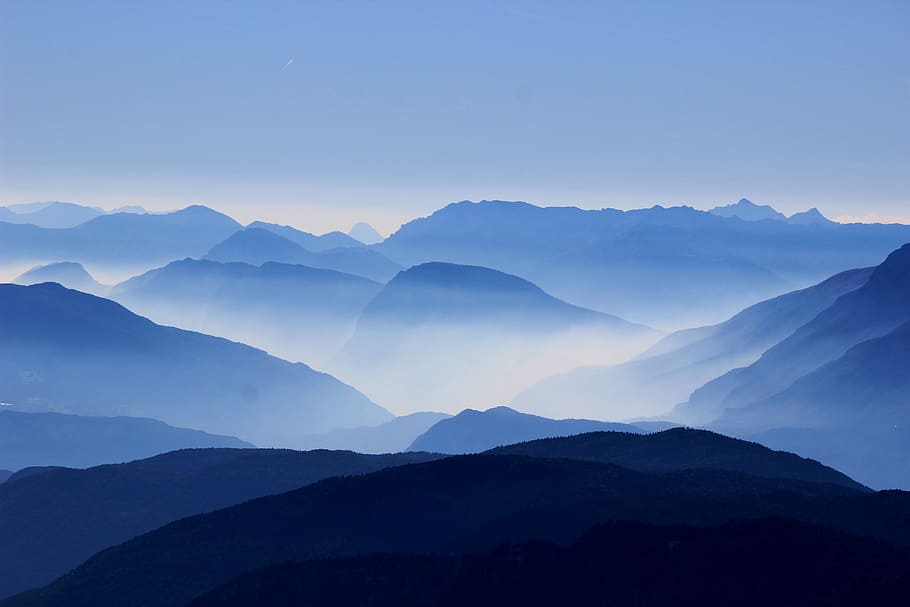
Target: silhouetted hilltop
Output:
{"points": [[457, 504], [257, 245], [5, 474], [122, 238], [55, 439], [70, 274], [640, 565], [474, 431], [666, 374], [365, 233], [681, 449], [78, 512], [70, 352]]}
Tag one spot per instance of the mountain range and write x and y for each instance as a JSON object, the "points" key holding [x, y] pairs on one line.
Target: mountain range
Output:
{"points": [[667, 267], [294, 311], [499, 331], [71, 352], [57, 214], [56, 439], [451, 506], [70, 274], [257, 245]]}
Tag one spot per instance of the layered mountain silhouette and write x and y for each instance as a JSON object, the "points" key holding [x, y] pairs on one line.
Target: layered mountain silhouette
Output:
{"points": [[447, 337], [391, 437], [672, 369], [258, 245], [79, 512], [681, 449], [294, 311], [121, 238], [310, 242], [454, 505], [70, 352], [55, 439], [474, 431], [365, 233], [70, 274], [747, 210], [880, 306], [662, 266], [634, 564], [57, 214]]}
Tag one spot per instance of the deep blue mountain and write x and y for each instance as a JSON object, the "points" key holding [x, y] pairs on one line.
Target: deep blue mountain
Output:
{"points": [[5, 474], [474, 431], [296, 312], [258, 245], [70, 352], [661, 266], [453, 505], [880, 306], [121, 238], [450, 337], [666, 374], [55, 439], [621, 564], [70, 274], [79, 512]]}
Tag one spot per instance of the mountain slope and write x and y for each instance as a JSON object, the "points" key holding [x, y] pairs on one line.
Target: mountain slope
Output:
{"points": [[293, 311], [474, 431], [665, 375], [257, 246], [70, 274], [456, 504], [393, 436], [55, 439], [749, 211], [51, 214], [79, 512], [71, 352], [500, 331], [641, 565], [881, 305], [310, 242], [365, 233]]}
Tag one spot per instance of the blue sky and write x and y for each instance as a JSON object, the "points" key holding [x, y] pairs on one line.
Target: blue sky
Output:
{"points": [[391, 109]]}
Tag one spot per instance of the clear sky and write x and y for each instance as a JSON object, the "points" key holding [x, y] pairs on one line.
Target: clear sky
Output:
{"points": [[391, 109]]}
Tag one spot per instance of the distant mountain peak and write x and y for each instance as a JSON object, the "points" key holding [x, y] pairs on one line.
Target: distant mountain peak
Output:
{"points": [[747, 210], [365, 233], [812, 216]]}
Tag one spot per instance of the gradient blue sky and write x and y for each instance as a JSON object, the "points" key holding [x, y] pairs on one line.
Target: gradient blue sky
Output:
{"points": [[391, 109]]}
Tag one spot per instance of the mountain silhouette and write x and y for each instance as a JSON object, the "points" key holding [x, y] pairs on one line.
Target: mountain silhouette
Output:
{"points": [[681, 449], [636, 565], [365, 233], [310, 242], [749, 211], [70, 352], [878, 307], [474, 431], [70, 274], [453, 505], [109, 504], [294, 311], [257, 246], [666, 267], [665, 375], [121, 238], [55, 439], [499, 331], [5, 474], [812, 217], [50, 214]]}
